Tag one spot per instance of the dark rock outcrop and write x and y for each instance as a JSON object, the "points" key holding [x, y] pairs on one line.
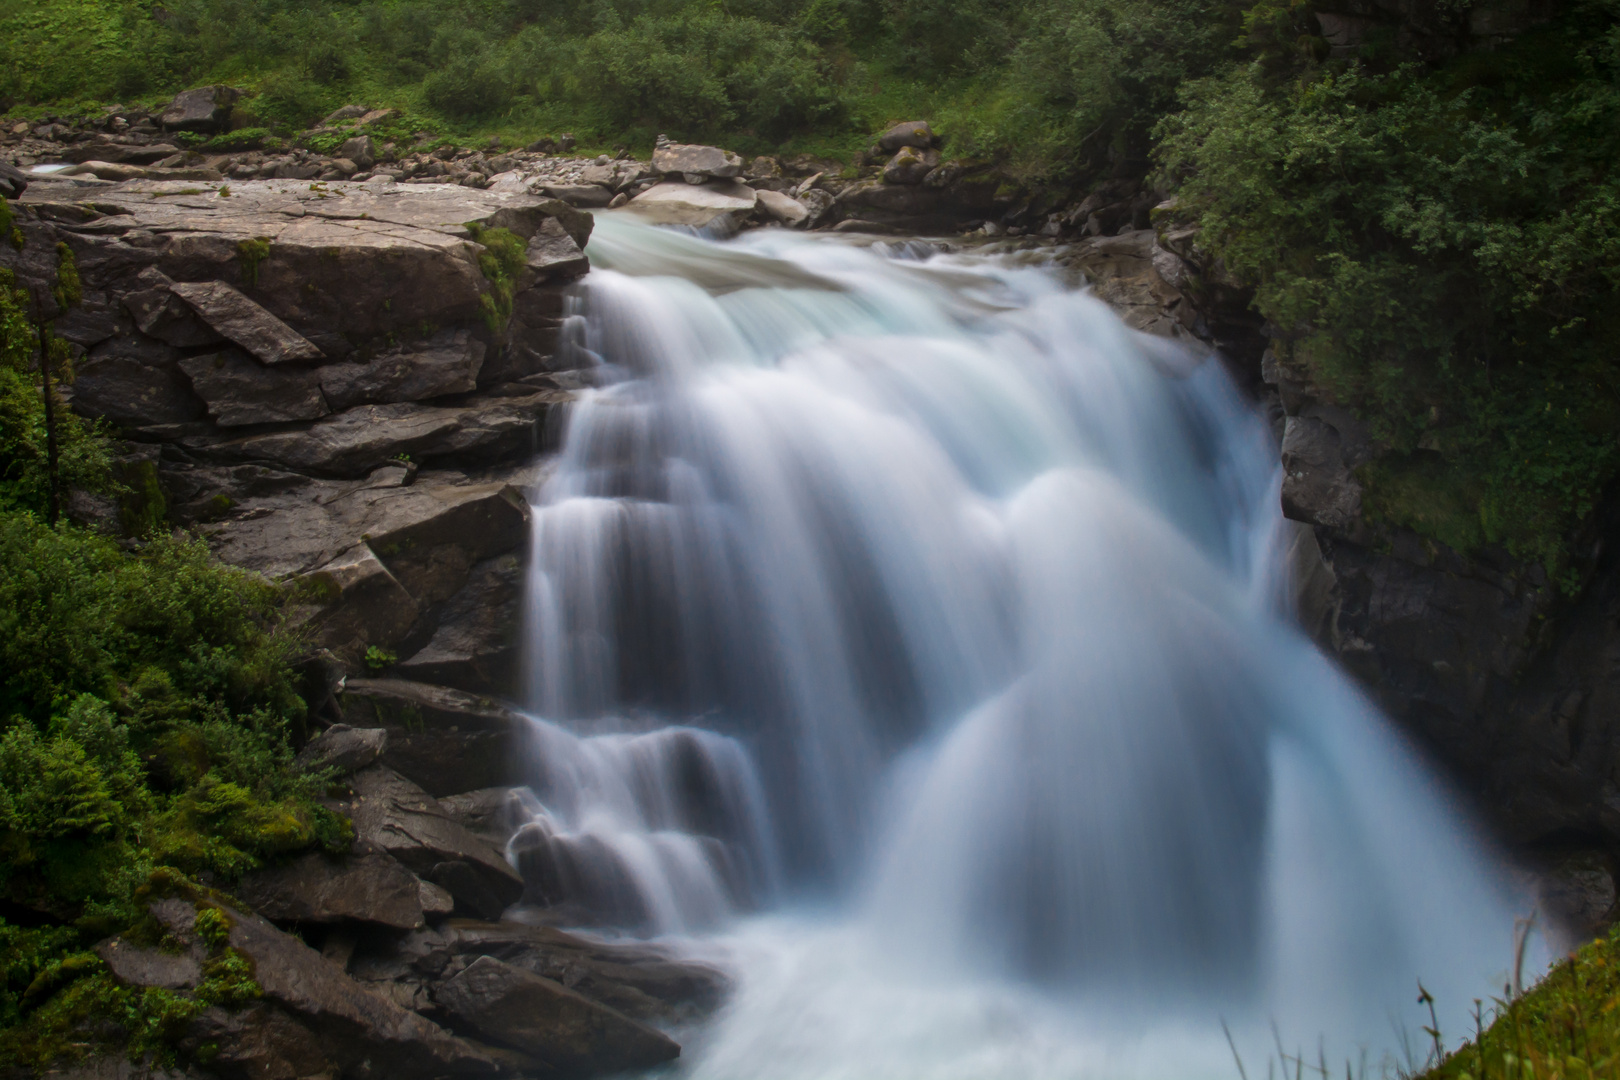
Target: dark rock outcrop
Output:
{"points": [[573, 1034], [445, 740], [400, 818], [365, 886], [207, 108]]}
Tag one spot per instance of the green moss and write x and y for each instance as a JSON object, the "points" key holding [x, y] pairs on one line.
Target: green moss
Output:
{"points": [[69, 290], [250, 253], [8, 225], [501, 261]]}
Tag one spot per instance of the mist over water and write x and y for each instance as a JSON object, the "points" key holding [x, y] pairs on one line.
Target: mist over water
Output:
{"points": [[908, 638]]}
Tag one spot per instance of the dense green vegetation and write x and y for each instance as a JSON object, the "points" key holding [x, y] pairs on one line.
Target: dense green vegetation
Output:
{"points": [[1440, 246], [147, 700]]}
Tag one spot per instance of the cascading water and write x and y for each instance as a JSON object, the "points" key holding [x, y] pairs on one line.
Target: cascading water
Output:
{"points": [[907, 635]]}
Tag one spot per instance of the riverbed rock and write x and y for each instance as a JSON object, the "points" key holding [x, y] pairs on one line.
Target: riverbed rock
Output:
{"points": [[446, 740], [13, 181], [680, 159], [553, 254], [400, 818], [673, 202], [581, 195], [119, 153], [784, 208], [640, 981], [205, 109], [365, 885], [239, 390]]}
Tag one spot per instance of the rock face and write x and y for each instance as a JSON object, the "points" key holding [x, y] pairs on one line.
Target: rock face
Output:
{"points": [[312, 1018], [445, 740], [570, 1032]]}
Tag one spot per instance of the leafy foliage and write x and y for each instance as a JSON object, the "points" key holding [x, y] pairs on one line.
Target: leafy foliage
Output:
{"points": [[1439, 246]]}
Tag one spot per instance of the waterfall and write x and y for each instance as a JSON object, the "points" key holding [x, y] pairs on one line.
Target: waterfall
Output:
{"points": [[906, 632]]}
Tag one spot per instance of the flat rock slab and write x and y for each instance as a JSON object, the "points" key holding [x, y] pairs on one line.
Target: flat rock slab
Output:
{"points": [[240, 391], [674, 202], [335, 259], [543, 1018], [245, 322], [366, 885], [343, 749]]}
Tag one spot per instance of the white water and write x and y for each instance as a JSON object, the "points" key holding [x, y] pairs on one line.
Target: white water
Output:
{"points": [[907, 639]]}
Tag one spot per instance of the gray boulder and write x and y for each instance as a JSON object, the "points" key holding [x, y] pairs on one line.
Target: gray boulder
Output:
{"points": [[239, 390], [1319, 485], [588, 195], [400, 818], [576, 1036], [366, 885], [784, 208], [13, 181], [343, 749], [913, 133], [361, 150], [553, 254], [910, 166], [346, 112], [245, 322], [119, 153], [674, 159], [446, 363], [364, 604], [673, 202], [445, 740], [207, 108]]}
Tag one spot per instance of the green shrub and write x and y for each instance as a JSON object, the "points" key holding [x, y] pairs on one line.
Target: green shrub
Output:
{"points": [[1438, 247]]}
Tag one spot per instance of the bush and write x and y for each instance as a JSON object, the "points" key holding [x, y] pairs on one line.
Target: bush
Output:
{"points": [[1439, 247]]}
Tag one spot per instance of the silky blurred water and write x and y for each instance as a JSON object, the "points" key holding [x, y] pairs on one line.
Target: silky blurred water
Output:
{"points": [[906, 635]]}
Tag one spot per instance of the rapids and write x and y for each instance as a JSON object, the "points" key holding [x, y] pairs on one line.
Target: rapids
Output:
{"points": [[905, 635]]}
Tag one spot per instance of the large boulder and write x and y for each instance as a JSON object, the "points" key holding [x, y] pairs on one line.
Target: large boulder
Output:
{"points": [[206, 108], [342, 749], [366, 885], [639, 980], [784, 208], [674, 202], [13, 181], [400, 818], [541, 1017], [135, 381], [553, 254], [445, 740], [911, 166], [688, 159], [1319, 483], [913, 133]]}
